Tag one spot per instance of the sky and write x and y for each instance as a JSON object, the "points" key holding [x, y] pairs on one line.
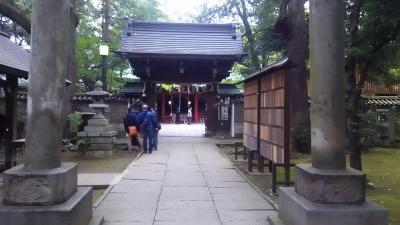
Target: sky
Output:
{"points": [[184, 10]]}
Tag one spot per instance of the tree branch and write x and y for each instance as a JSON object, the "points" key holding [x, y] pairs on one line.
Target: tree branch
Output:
{"points": [[9, 9]]}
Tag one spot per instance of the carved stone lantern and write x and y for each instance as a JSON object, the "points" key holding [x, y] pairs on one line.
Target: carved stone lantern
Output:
{"points": [[98, 131]]}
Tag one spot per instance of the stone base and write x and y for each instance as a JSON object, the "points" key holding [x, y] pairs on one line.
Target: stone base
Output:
{"points": [[97, 154], [296, 210], [76, 211], [41, 187], [330, 187]]}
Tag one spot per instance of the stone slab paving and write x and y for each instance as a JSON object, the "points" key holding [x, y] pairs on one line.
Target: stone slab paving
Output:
{"points": [[97, 180], [182, 130], [186, 182]]}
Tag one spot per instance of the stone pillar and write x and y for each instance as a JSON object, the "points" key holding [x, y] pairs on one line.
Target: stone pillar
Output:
{"points": [[327, 182], [44, 190], [327, 85]]}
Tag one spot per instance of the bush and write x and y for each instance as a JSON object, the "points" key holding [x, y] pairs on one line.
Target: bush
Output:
{"points": [[301, 135], [75, 119], [372, 132], [75, 144]]}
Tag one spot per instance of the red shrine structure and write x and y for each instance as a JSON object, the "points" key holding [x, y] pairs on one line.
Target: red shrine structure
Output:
{"points": [[181, 65]]}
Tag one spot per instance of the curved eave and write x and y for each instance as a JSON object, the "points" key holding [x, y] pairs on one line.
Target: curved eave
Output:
{"points": [[124, 54]]}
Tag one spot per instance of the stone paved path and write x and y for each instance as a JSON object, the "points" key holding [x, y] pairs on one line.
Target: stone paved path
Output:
{"points": [[182, 130], [186, 182]]}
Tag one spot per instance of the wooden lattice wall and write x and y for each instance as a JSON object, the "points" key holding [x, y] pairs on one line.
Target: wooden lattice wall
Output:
{"points": [[266, 119], [272, 113], [250, 124]]}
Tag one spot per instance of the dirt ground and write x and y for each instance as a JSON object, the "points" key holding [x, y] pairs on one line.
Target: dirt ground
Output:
{"points": [[113, 164]]}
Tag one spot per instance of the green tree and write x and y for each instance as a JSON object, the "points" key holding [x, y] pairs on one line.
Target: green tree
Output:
{"points": [[90, 36], [372, 52]]}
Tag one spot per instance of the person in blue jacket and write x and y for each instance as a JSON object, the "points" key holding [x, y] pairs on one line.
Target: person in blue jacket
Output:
{"points": [[157, 127], [147, 124], [131, 120]]}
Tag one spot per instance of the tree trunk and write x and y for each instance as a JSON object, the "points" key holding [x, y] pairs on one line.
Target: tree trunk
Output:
{"points": [[106, 39], [242, 11], [296, 49], [71, 69], [353, 90]]}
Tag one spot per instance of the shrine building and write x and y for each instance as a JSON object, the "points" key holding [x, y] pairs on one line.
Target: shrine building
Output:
{"points": [[181, 65]]}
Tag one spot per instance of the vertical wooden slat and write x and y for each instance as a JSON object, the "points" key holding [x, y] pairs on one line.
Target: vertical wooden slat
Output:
{"points": [[287, 130]]}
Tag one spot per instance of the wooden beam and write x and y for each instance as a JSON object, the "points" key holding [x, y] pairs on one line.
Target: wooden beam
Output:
{"points": [[11, 115]]}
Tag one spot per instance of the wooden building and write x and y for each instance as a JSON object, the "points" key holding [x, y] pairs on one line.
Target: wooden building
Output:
{"points": [[194, 57], [170, 99], [14, 64]]}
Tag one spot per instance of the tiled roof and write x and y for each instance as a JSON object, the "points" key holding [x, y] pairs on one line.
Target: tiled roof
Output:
{"points": [[133, 88], [153, 38], [81, 98], [382, 100], [13, 58], [268, 69], [228, 89]]}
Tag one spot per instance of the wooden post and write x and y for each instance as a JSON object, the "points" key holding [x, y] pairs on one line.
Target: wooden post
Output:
{"points": [[250, 160], [162, 106], [151, 97], [274, 183], [260, 157], [391, 126], [196, 107], [11, 115]]}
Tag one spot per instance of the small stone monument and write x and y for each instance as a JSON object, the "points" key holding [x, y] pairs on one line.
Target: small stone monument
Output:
{"points": [[98, 131]]}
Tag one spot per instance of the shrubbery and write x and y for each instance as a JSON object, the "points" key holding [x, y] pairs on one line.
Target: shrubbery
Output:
{"points": [[373, 133]]}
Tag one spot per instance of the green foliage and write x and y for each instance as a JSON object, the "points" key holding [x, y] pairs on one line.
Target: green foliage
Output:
{"points": [[377, 44], [262, 15], [75, 119], [301, 135], [75, 144], [372, 132], [89, 39], [20, 36]]}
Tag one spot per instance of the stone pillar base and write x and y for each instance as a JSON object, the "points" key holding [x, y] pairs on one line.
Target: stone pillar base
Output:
{"points": [[77, 210], [40, 187], [296, 210], [330, 187]]}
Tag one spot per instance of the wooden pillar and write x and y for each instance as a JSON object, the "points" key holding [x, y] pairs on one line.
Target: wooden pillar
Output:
{"points": [[11, 115], [162, 106], [151, 97], [196, 107], [171, 107], [211, 113]]}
